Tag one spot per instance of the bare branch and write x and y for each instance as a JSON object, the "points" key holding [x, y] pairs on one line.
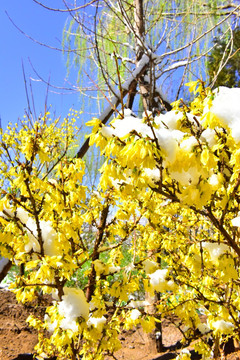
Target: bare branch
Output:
{"points": [[172, 52], [66, 10], [107, 113], [224, 59]]}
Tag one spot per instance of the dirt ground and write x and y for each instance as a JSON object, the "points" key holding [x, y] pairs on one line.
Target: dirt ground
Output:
{"points": [[17, 339]]}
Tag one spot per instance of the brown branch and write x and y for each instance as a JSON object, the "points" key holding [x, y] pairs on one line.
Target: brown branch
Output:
{"points": [[131, 95], [223, 231], [119, 82], [95, 255]]}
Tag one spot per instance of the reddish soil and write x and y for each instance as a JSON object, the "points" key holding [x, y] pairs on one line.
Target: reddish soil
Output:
{"points": [[16, 337]]}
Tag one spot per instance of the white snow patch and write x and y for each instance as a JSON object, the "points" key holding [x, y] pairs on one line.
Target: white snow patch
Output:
{"points": [[226, 106], [223, 326], [189, 143], [213, 180], [51, 326], [131, 123], [49, 237], [152, 175], [134, 314], [176, 65], [72, 306], [236, 221], [186, 177], [170, 119], [209, 136], [138, 303], [158, 280], [97, 322], [168, 143], [215, 250]]}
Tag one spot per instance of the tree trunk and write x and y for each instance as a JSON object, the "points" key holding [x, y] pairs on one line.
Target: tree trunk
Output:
{"points": [[151, 97]]}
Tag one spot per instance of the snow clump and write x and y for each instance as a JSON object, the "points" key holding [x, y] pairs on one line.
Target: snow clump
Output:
{"points": [[168, 138], [51, 326], [152, 175], [209, 136], [158, 281], [97, 322], [138, 303], [72, 306], [224, 327], [168, 141], [49, 237], [134, 314], [236, 221], [226, 107], [170, 119], [215, 250], [122, 127]]}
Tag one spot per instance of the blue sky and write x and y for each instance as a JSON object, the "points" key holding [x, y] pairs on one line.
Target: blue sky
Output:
{"points": [[44, 26]]}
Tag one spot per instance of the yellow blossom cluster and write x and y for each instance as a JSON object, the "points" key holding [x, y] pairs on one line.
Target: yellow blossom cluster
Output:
{"points": [[181, 171], [159, 237], [72, 243]]}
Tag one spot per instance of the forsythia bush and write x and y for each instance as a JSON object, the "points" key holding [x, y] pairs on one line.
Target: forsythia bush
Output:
{"points": [[164, 219]]}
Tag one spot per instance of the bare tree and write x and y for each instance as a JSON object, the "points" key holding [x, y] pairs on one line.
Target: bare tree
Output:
{"points": [[139, 53]]}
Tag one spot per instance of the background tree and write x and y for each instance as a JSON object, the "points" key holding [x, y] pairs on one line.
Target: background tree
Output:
{"points": [[144, 50], [224, 61]]}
